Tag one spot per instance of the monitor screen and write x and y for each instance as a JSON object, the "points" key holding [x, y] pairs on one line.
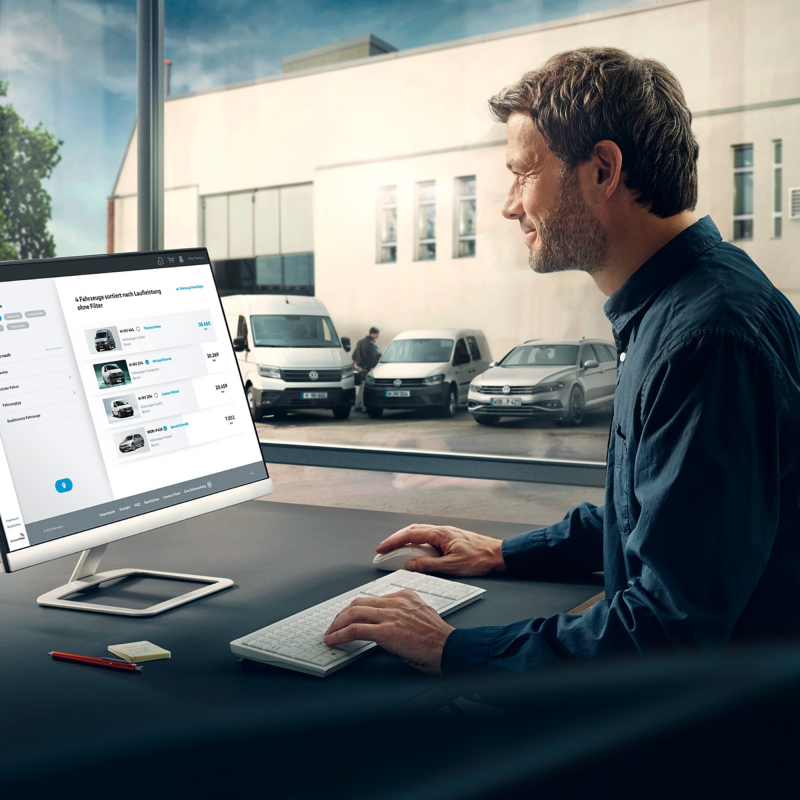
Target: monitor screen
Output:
{"points": [[120, 394]]}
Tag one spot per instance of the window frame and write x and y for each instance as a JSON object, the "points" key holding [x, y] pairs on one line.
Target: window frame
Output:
{"points": [[458, 199], [777, 189], [742, 171], [382, 205], [419, 204]]}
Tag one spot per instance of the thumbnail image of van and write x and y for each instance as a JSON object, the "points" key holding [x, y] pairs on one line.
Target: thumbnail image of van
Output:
{"points": [[112, 373], [129, 442], [122, 408], [103, 340]]}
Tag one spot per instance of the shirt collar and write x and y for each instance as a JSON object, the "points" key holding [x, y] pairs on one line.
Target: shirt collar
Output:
{"points": [[651, 278]]}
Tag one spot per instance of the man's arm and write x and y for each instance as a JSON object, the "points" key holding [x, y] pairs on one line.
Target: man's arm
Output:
{"points": [[706, 483]]}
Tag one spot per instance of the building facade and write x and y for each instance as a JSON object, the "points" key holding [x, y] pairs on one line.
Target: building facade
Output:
{"points": [[377, 183]]}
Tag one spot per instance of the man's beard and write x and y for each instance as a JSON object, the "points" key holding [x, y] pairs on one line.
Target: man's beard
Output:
{"points": [[570, 238]]}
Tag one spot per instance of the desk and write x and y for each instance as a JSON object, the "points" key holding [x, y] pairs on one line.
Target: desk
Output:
{"points": [[283, 558]]}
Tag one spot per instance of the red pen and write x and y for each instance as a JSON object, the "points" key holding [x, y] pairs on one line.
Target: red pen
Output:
{"points": [[97, 662]]}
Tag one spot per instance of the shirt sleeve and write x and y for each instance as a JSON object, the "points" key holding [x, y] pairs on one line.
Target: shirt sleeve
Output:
{"points": [[706, 480], [571, 547]]}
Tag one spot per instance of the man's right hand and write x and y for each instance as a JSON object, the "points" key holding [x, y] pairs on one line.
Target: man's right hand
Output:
{"points": [[465, 553]]}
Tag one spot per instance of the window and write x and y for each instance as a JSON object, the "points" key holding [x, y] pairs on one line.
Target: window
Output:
{"points": [[461, 356], [387, 224], [474, 350], [589, 354], [777, 185], [465, 217], [743, 192], [426, 221], [241, 328], [262, 239], [611, 353]]}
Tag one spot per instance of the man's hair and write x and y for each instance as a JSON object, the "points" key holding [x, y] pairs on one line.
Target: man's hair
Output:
{"points": [[374, 330], [583, 96]]}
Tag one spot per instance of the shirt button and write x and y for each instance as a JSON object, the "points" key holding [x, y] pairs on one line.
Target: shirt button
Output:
{"points": [[622, 356]]}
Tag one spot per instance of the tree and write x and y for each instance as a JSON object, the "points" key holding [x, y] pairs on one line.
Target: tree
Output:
{"points": [[28, 156]]}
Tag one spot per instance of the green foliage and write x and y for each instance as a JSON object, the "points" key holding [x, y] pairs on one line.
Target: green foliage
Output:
{"points": [[27, 157]]}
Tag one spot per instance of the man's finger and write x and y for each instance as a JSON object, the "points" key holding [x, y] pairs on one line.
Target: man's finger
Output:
{"points": [[352, 633], [353, 614], [413, 534]]}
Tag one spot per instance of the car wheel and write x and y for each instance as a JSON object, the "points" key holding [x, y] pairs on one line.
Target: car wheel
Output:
{"points": [[341, 412], [374, 413], [449, 411], [255, 411], [485, 419], [576, 409]]}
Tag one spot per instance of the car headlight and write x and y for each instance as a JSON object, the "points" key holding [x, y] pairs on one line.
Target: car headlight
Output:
{"points": [[269, 372], [370, 378], [346, 372], [548, 387], [434, 380]]}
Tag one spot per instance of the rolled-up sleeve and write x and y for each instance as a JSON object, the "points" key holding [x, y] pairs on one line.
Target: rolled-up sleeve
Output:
{"points": [[705, 506]]}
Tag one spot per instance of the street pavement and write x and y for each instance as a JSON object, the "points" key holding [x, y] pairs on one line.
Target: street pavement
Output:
{"points": [[532, 438]]}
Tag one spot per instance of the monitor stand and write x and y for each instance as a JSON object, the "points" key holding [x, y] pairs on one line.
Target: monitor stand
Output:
{"points": [[85, 576]]}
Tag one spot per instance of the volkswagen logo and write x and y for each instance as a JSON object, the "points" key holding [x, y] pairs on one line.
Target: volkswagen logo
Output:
{"points": [[506, 390], [313, 374], [398, 382]]}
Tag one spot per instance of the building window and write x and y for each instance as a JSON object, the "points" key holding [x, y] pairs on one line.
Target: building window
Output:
{"points": [[777, 184], [743, 191], [261, 240], [426, 221], [387, 225], [465, 217]]}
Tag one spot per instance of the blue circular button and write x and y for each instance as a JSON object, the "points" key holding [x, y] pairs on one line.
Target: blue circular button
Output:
{"points": [[63, 485]]}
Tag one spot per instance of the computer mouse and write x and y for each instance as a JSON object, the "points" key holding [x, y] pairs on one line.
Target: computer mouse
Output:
{"points": [[396, 559]]}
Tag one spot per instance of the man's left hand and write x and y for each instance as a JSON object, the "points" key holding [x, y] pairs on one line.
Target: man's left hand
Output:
{"points": [[400, 623]]}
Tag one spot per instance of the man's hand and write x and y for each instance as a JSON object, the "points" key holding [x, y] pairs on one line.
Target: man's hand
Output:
{"points": [[465, 553], [400, 623]]}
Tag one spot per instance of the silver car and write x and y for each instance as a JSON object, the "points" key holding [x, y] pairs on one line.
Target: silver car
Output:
{"points": [[556, 378]]}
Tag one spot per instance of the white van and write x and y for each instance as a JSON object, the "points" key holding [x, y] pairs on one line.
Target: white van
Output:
{"points": [[427, 369], [289, 354]]}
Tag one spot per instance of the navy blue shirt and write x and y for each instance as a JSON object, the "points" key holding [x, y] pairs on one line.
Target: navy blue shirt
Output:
{"points": [[699, 536]]}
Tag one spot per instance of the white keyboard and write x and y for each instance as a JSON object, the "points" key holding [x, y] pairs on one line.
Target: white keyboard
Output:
{"points": [[297, 642]]}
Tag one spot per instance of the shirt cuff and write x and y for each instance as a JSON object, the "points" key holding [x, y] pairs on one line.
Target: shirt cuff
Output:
{"points": [[467, 649], [516, 549]]}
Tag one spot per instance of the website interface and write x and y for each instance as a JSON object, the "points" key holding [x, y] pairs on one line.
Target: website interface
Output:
{"points": [[119, 394]]}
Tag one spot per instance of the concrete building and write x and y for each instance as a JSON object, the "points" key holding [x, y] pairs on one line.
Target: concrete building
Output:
{"points": [[378, 181]]}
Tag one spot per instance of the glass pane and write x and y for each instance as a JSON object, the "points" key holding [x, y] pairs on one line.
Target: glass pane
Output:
{"points": [[426, 252], [427, 222], [389, 225], [742, 193], [777, 227], [269, 271], [298, 269], [466, 218], [466, 186], [743, 156], [466, 248], [240, 216], [388, 254], [297, 219], [743, 229], [426, 190], [778, 152], [215, 226], [778, 190], [266, 221]]}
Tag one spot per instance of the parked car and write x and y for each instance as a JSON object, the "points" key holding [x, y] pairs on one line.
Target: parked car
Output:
{"points": [[120, 409], [112, 374], [560, 379], [104, 340], [131, 443], [289, 354], [427, 369]]}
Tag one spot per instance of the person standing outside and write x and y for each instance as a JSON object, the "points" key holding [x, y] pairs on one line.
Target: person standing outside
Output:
{"points": [[366, 355]]}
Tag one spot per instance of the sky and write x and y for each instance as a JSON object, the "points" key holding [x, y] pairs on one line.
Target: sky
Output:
{"points": [[71, 65]]}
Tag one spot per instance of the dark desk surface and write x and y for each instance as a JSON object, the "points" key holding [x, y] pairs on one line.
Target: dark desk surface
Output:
{"points": [[283, 558]]}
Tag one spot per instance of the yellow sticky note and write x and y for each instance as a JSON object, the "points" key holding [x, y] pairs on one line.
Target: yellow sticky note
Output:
{"points": [[139, 651]]}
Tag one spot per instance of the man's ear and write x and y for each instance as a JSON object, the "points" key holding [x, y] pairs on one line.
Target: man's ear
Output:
{"points": [[606, 166]]}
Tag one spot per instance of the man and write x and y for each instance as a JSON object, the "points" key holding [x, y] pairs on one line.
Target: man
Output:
{"points": [[366, 355], [699, 536]]}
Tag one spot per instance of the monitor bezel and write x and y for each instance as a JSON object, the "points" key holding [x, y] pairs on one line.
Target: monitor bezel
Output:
{"points": [[42, 268]]}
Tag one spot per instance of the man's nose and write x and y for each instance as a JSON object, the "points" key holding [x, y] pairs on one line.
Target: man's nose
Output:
{"points": [[512, 208]]}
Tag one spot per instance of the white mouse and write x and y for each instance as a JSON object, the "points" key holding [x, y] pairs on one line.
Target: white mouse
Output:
{"points": [[396, 559]]}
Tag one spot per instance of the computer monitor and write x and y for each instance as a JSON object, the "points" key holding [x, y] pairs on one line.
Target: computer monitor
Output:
{"points": [[121, 410]]}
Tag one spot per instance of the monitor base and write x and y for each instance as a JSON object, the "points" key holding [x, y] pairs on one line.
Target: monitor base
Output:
{"points": [[86, 576]]}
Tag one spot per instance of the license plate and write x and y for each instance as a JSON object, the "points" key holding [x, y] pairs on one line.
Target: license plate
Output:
{"points": [[506, 401], [315, 395], [399, 393]]}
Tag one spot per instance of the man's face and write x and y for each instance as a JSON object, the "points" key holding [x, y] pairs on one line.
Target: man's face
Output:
{"points": [[375, 335], [547, 200]]}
